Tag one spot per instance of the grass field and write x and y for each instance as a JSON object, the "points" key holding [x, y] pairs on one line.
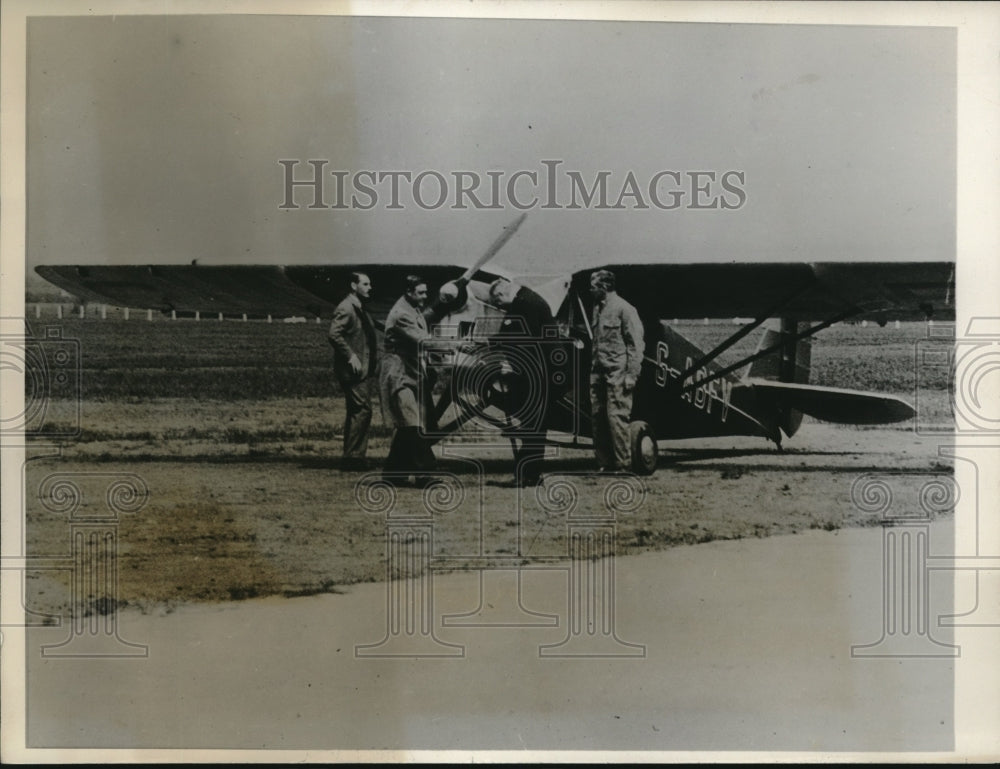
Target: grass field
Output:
{"points": [[226, 384], [236, 428], [137, 359]]}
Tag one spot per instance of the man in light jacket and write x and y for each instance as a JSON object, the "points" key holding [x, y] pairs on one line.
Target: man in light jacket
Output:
{"points": [[616, 363], [403, 374]]}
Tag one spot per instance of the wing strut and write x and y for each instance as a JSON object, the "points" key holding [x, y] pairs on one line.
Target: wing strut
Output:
{"points": [[768, 350], [583, 314], [762, 318]]}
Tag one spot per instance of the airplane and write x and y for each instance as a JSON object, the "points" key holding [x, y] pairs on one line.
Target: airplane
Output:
{"points": [[682, 392]]}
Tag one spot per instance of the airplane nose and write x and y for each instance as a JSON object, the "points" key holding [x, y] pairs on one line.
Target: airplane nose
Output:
{"points": [[451, 294]]}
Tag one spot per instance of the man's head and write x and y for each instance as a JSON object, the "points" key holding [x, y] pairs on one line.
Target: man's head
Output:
{"points": [[502, 292], [361, 285], [416, 290], [601, 283]]}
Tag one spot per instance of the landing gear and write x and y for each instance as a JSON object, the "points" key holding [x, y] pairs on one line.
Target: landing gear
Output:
{"points": [[643, 445]]}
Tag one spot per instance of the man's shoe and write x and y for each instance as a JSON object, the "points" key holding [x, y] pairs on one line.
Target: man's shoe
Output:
{"points": [[354, 464], [396, 480], [423, 481]]}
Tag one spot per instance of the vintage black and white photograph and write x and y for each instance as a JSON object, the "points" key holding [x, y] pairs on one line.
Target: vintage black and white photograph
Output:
{"points": [[504, 381]]}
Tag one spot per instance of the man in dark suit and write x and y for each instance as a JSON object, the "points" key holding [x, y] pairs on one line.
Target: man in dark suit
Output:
{"points": [[355, 359], [527, 323]]}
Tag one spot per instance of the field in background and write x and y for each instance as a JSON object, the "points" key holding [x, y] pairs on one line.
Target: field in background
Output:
{"points": [[211, 388], [209, 359]]}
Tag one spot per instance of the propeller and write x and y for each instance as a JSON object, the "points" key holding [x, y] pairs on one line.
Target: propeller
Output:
{"points": [[453, 292]]}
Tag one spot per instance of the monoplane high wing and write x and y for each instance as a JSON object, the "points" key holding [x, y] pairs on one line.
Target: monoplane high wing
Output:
{"points": [[273, 291], [824, 292], [809, 292], [257, 291]]}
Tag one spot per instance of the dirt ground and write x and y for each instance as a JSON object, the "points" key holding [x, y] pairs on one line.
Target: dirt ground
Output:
{"points": [[247, 499], [252, 569]]}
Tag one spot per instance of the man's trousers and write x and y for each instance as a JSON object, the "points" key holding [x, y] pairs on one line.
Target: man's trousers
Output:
{"points": [[611, 412]]}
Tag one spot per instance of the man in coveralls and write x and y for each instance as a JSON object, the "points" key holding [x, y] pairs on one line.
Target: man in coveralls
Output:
{"points": [[402, 371], [355, 358], [616, 362], [521, 339]]}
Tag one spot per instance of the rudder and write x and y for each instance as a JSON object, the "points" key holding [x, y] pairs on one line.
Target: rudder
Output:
{"points": [[788, 363]]}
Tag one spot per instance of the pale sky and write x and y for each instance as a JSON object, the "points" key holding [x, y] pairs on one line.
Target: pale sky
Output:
{"points": [[157, 139]]}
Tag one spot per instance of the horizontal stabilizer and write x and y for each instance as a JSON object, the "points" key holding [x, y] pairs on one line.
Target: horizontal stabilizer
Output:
{"points": [[832, 404]]}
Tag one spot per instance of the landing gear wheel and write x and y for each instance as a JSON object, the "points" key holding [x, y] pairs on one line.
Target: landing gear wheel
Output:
{"points": [[643, 445]]}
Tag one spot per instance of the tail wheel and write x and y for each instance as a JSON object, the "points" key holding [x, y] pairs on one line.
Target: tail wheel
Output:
{"points": [[643, 444]]}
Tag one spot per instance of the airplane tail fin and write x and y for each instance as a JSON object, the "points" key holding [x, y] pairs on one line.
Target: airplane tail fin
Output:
{"points": [[782, 378], [788, 363]]}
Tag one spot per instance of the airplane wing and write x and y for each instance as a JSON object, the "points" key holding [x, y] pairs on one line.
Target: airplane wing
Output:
{"points": [[257, 291], [904, 290], [266, 290], [833, 404], [818, 291]]}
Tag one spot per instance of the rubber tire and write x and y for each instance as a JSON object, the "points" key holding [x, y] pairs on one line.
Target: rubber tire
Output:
{"points": [[643, 445]]}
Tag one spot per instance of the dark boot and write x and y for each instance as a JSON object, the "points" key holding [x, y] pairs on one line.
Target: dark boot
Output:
{"points": [[422, 457], [395, 463], [528, 462]]}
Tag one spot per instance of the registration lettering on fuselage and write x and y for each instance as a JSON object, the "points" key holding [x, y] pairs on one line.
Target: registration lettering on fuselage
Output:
{"points": [[701, 397]]}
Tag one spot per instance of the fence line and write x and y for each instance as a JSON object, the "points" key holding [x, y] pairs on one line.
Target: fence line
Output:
{"points": [[94, 311]]}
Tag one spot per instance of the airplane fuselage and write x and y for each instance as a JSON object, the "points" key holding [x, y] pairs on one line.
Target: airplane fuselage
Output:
{"points": [[682, 392], [721, 406], [676, 406]]}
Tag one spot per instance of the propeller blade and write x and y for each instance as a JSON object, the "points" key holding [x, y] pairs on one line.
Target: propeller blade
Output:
{"points": [[507, 234]]}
